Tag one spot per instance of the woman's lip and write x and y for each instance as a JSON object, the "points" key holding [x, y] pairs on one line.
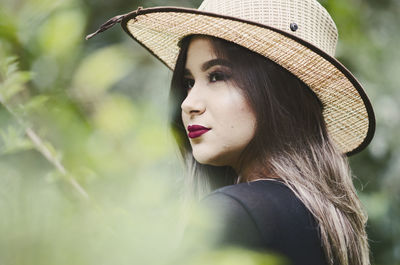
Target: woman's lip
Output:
{"points": [[196, 130], [192, 128], [197, 133]]}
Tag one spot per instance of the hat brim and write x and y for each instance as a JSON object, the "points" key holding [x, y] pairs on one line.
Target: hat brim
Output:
{"points": [[347, 110]]}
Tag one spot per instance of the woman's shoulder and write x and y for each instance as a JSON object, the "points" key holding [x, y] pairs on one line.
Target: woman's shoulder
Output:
{"points": [[275, 186], [265, 201], [268, 193], [270, 203], [271, 213]]}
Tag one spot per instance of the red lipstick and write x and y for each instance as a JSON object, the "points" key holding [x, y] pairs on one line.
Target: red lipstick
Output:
{"points": [[196, 130]]}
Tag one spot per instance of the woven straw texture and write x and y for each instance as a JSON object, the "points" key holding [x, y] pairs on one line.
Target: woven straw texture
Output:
{"points": [[345, 113], [315, 24]]}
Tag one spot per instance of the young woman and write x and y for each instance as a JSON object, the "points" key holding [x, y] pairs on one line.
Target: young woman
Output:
{"points": [[243, 119], [264, 116]]}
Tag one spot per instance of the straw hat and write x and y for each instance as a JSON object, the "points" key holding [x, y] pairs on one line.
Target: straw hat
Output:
{"points": [[299, 35]]}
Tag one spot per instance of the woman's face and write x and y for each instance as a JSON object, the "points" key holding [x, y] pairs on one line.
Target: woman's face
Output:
{"points": [[218, 120]]}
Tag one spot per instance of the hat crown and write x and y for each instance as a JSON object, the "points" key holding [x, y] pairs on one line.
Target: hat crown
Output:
{"points": [[305, 19]]}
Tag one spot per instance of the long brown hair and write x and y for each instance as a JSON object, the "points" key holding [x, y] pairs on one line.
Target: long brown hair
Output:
{"points": [[291, 141]]}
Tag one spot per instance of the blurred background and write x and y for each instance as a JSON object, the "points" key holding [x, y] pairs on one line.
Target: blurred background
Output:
{"points": [[88, 171]]}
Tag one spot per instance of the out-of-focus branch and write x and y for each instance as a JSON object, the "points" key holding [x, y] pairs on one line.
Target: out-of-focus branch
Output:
{"points": [[41, 147], [39, 144]]}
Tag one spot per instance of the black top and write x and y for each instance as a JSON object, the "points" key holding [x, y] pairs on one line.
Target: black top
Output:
{"points": [[266, 215]]}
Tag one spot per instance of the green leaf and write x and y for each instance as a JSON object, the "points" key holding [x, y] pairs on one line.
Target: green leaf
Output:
{"points": [[14, 140], [12, 80], [35, 102]]}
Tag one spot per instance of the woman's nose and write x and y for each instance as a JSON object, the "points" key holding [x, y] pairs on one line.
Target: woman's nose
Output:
{"points": [[194, 102]]}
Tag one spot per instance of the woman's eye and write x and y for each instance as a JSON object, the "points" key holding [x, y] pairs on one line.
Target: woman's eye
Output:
{"points": [[217, 76], [188, 83]]}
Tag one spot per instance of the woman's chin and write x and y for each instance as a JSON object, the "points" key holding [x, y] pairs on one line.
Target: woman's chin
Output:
{"points": [[208, 160]]}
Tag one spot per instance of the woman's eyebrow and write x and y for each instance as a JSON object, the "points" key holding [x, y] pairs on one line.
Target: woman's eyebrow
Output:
{"points": [[213, 62], [207, 65]]}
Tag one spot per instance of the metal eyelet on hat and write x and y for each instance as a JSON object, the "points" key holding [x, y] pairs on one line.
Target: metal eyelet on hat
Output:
{"points": [[293, 26]]}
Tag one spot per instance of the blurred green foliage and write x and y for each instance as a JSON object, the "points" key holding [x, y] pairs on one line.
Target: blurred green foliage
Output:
{"points": [[88, 171]]}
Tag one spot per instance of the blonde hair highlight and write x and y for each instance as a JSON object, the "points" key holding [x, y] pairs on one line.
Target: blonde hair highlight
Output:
{"points": [[322, 180]]}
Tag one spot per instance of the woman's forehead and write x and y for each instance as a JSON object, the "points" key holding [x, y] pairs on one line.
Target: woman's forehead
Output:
{"points": [[199, 51], [202, 53]]}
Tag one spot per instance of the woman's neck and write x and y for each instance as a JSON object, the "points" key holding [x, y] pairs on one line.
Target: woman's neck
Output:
{"points": [[253, 171]]}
